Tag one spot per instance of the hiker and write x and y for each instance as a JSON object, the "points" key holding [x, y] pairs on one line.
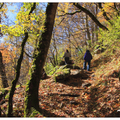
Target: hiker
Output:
{"points": [[67, 56], [87, 59]]}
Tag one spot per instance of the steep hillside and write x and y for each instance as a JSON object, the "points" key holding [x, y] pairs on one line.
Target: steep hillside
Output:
{"points": [[92, 94]]}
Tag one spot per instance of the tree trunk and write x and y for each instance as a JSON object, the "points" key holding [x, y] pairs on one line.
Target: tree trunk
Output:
{"points": [[2, 72], [87, 28], [92, 31], [56, 52], [14, 82], [31, 98], [2, 67], [96, 27]]}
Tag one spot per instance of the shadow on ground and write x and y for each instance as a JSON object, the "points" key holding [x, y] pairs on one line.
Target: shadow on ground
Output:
{"points": [[75, 80]]}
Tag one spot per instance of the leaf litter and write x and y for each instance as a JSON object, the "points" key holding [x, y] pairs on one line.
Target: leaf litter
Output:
{"points": [[72, 100]]}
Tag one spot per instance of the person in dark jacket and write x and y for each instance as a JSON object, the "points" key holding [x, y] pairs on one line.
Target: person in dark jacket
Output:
{"points": [[87, 59], [67, 56]]}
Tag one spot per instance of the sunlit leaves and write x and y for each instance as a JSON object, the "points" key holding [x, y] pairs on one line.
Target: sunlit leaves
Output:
{"points": [[8, 54], [109, 9], [111, 38], [23, 23]]}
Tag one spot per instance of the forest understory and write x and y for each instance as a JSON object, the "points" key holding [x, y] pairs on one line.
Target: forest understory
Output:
{"points": [[73, 97]]}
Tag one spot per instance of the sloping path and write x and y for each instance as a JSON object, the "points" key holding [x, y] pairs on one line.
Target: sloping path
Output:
{"points": [[71, 98]]}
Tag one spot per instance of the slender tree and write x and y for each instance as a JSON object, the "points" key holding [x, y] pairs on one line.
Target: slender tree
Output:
{"points": [[31, 98], [2, 67], [14, 82], [2, 72]]}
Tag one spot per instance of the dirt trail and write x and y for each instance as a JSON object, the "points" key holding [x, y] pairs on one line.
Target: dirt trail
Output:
{"points": [[74, 97]]}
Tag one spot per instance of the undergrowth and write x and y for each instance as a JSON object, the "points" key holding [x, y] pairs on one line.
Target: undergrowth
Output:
{"points": [[105, 64]]}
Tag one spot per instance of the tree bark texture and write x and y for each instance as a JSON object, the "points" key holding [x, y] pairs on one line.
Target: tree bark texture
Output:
{"points": [[31, 98], [87, 28], [90, 15], [96, 27], [14, 82], [2, 72]]}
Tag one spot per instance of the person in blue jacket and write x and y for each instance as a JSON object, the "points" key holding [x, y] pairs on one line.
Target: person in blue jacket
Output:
{"points": [[87, 59]]}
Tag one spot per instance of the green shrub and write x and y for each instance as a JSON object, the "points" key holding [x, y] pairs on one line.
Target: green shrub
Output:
{"points": [[61, 73], [51, 72], [110, 39]]}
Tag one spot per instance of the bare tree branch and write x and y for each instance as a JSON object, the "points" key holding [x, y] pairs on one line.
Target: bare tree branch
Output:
{"points": [[1, 5], [90, 15], [28, 54], [61, 21], [71, 13]]}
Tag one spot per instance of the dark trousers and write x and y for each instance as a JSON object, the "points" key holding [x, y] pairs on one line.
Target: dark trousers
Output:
{"points": [[66, 60]]}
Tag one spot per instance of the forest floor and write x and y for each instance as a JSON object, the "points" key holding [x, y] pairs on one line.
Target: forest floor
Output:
{"points": [[71, 98], [77, 96]]}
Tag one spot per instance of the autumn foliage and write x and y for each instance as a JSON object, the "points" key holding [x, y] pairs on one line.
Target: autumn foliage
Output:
{"points": [[77, 27]]}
